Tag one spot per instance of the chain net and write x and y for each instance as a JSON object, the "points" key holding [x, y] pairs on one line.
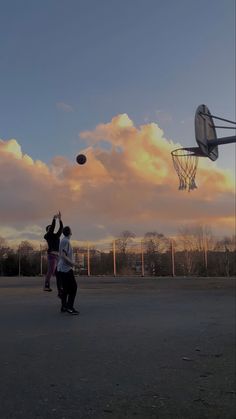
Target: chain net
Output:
{"points": [[185, 163]]}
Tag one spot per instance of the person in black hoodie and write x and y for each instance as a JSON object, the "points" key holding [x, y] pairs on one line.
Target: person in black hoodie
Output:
{"points": [[53, 241]]}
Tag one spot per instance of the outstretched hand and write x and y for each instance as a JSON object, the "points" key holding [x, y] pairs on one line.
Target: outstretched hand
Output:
{"points": [[58, 215]]}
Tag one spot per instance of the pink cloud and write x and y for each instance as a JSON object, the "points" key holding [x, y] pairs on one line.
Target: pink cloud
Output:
{"points": [[131, 185], [62, 106]]}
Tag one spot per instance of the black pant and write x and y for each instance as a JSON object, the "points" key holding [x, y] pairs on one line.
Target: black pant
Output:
{"points": [[69, 288], [59, 283]]}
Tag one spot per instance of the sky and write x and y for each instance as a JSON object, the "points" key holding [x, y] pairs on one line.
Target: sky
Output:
{"points": [[119, 81]]}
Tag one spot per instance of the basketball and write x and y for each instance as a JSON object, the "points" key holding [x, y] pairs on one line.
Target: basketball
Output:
{"points": [[81, 159]]}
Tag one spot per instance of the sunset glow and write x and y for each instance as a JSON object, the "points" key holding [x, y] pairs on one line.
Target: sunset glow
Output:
{"points": [[121, 85], [132, 187]]}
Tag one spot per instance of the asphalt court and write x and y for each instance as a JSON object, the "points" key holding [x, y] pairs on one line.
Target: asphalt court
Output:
{"points": [[140, 348]]}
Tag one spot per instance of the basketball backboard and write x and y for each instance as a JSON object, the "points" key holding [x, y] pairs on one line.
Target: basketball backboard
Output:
{"points": [[185, 159], [205, 132]]}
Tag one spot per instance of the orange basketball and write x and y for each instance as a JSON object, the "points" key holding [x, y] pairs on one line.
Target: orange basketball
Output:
{"points": [[81, 159]]}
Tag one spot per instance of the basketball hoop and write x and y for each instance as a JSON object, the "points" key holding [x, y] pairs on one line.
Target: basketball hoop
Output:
{"points": [[185, 162]]}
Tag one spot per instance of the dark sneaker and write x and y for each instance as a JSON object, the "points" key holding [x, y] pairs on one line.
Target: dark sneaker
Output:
{"points": [[75, 311], [47, 289], [63, 309], [72, 311]]}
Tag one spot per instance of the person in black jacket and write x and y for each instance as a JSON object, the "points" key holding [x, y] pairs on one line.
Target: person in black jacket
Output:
{"points": [[53, 241]]}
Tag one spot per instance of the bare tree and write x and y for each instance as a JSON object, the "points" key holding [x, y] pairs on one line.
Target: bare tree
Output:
{"points": [[4, 249], [26, 248], [3, 245], [154, 244], [226, 243], [125, 238], [225, 250], [194, 239], [123, 258]]}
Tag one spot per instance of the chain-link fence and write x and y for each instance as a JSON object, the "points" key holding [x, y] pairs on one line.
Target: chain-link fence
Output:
{"points": [[136, 258]]}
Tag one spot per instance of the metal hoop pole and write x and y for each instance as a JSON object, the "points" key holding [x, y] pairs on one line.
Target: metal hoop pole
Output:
{"points": [[222, 127], [88, 259], [222, 140], [172, 249], [114, 258], [217, 117], [142, 258]]}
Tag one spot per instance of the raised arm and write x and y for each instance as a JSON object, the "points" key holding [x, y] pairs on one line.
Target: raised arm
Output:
{"points": [[52, 226], [60, 228], [61, 225]]}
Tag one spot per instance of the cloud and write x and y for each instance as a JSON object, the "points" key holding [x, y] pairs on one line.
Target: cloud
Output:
{"points": [[27, 186], [62, 106], [29, 232], [128, 182]]}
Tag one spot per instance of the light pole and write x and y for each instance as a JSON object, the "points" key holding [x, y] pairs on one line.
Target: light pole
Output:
{"points": [[205, 249], [41, 261], [172, 249], [114, 258], [19, 262], [142, 259], [88, 257]]}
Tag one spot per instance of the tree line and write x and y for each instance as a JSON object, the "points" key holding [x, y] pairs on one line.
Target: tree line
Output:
{"points": [[193, 252]]}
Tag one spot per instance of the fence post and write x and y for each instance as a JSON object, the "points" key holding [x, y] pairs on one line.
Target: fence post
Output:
{"points": [[19, 262], [205, 249], [114, 257], [172, 249], [142, 258], [41, 261], [227, 265], [88, 255]]}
